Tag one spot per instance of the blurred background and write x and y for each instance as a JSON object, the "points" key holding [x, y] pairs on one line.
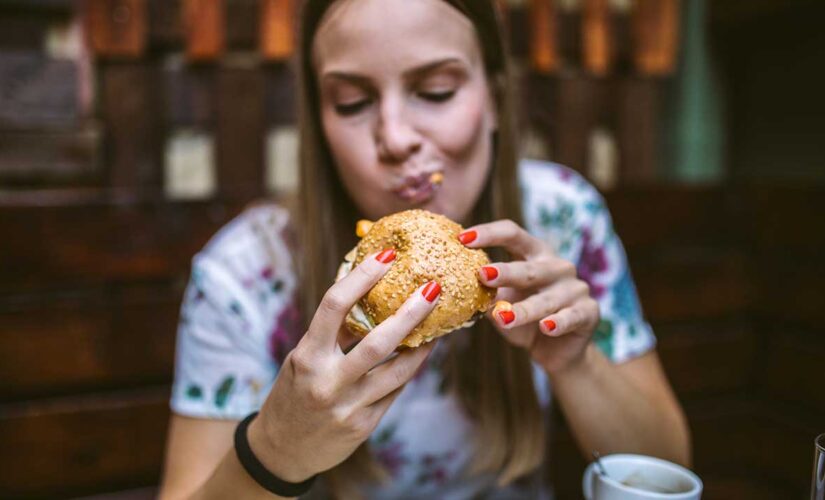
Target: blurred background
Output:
{"points": [[130, 130]]}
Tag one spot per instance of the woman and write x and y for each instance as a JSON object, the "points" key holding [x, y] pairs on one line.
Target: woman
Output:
{"points": [[393, 91]]}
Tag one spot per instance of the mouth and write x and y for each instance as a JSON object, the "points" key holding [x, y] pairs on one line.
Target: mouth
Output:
{"points": [[419, 188]]}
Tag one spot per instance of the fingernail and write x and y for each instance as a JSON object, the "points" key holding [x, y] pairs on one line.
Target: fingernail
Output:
{"points": [[431, 291], [549, 325], [386, 256], [490, 273], [507, 317], [467, 237]]}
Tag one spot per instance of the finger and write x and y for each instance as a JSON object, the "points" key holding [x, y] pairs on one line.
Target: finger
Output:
{"points": [[341, 296], [503, 233], [539, 305], [583, 315], [388, 377], [526, 274], [380, 407], [384, 338]]}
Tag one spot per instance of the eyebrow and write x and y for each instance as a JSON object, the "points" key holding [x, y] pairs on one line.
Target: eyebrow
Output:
{"points": [[410, 74]]}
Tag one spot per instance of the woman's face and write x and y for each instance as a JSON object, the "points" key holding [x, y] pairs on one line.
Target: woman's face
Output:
{"points": [[403, 96]]}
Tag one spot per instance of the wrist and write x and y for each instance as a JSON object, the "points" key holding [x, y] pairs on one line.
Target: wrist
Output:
{"points": [[266, 444], [577, 367]]}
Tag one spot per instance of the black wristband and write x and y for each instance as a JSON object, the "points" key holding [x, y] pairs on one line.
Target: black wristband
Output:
{"points": [[258, 472]]}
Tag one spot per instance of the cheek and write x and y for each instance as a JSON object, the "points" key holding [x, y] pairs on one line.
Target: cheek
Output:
{"points": [[460, 133]]}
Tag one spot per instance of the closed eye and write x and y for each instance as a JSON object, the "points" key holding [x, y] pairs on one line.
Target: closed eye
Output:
{"points": [[351, 108], [437, 96]]}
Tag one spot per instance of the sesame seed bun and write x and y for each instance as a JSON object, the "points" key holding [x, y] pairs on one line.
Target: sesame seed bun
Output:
{"points": [[427, 249]]}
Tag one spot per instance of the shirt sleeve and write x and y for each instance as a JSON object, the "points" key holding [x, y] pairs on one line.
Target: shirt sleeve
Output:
{"points": [[565, 210], [234, 308], [622, 333]]}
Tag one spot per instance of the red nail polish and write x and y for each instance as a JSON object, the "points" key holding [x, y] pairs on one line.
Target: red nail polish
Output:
{"points": [[490, 273], [467, 237], [549, 324], [431, 291], [386, 256], [507, 317]]}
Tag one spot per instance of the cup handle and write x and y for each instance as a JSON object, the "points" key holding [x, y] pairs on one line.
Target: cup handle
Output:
{"points": [[587, 481]]}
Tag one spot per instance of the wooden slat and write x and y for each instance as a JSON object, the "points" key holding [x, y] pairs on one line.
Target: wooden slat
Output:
{"points": [[166, 28], [242, 24], [37, 91], [755, 439], [281, 95], [54, 157], [204, 24], [544, 46], [783, 219], [793, 365], [67, 247], [88, 340], [597, 37], [648, 217], [679, 285], [133, 119], [790, 289], [710, 357], [190, 96], [277, 29], [579, 109], [639, 130], [75, 446], [656, 36], [240, 130], [117, 28]]}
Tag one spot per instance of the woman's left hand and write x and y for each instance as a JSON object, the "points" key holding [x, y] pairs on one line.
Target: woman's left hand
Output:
{"points": [[552, 315]]}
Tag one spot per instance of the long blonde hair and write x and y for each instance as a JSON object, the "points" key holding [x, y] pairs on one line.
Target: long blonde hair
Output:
{"points": [[492, 378]]}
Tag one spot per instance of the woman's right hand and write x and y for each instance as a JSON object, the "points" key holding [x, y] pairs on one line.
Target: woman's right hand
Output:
{"points": [[325, 403]]}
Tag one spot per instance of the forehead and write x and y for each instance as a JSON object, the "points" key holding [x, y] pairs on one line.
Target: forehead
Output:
{"points": [[387, 35]]}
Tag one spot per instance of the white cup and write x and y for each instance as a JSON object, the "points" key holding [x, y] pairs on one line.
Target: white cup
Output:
{"points": [[635, 477]]}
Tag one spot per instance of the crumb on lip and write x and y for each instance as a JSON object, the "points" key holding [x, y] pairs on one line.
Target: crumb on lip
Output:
{"points": [[436, 178]]}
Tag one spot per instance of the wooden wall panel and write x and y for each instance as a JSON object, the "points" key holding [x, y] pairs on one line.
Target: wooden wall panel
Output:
{"points": [[277, 27], [685, 284], [88, 340], [133, 120], [117, 28], [675, 217], [76, 246], [204, 24], [81, 445], [240, 132], [793, 370], [707, 357]]}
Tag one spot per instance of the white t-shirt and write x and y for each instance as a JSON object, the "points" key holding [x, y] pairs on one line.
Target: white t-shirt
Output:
{"points": [[239, 320]]}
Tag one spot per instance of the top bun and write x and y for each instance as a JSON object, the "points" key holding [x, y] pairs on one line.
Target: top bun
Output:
{"points": [[427, 249]]}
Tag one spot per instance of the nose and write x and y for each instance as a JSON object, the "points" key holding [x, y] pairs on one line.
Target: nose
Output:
{"points": [[396, 138]]}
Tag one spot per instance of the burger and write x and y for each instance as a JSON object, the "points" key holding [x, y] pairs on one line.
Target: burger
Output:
{"points": [[427, 249]]}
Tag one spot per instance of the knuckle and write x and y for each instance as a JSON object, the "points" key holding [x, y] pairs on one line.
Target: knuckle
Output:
{"points": [[372, 352], [402, 373], [369, 272], [408, 315], [594, 309], [582, 289], [321, 395], [567, 268], [510, 228], [301, 362], [531, 273], [335, 301], [359, 426]]}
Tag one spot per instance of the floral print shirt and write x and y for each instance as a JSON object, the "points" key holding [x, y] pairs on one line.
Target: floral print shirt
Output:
{"points": [[239, 320]]}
